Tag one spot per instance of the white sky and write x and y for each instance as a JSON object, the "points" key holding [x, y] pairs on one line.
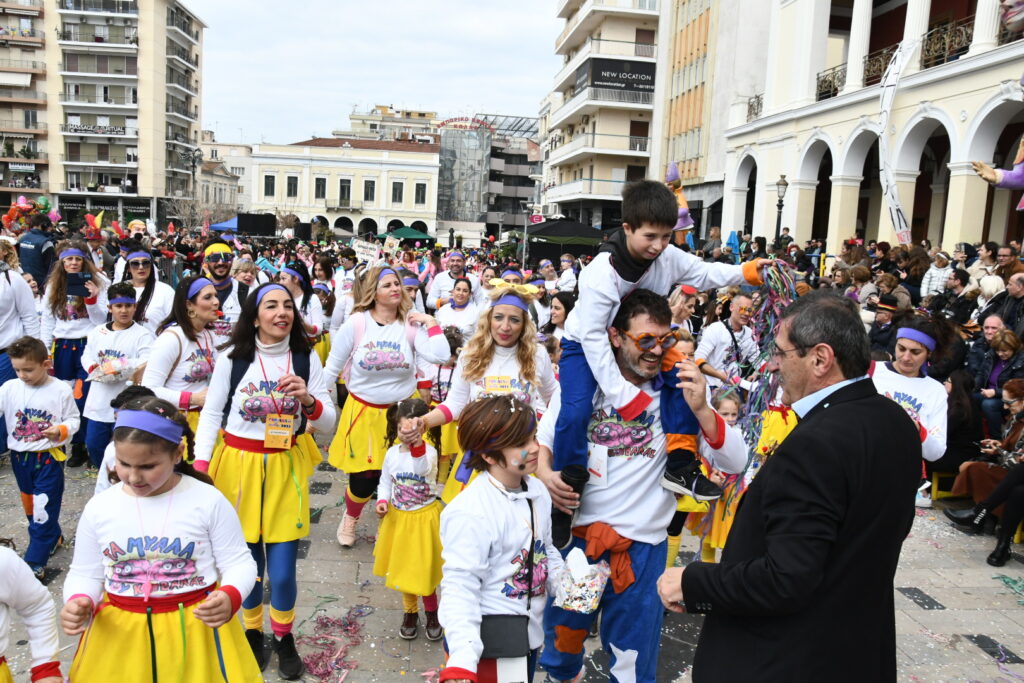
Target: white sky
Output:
{"points": [[282, 72]]}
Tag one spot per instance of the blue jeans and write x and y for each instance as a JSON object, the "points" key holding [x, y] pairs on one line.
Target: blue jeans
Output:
{"points": [[67, 365], [40, 479], [6, 373], [992, 410], [97, 436], [578, 387]]}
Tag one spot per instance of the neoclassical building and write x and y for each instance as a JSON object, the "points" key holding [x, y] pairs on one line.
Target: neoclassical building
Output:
{"points": [[817, 122]]}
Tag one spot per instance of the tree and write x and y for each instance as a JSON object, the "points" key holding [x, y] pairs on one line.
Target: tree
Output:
{"points": [[193, 213]]}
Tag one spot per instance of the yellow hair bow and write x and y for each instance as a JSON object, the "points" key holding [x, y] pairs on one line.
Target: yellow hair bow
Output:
{"points": [[522, 290]]}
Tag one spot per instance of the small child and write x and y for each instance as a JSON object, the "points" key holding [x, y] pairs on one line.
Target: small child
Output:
{"points": [[433, 381], [552, 345], [103, 478], [22, 593], [41, 417], [408, 549], [112, 352], [496, 535], [160, 564]]}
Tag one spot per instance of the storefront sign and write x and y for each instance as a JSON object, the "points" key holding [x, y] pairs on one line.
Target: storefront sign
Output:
{"points": [[21, 167]]}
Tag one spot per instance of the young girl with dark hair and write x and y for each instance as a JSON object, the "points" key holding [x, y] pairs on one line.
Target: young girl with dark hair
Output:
{"points": [[160, 564], [295, 278], [264, 392]]}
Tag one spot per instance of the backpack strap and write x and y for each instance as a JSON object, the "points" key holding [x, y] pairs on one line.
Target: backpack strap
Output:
{"points": [[242, 292], [237, 373], [300, 365]]}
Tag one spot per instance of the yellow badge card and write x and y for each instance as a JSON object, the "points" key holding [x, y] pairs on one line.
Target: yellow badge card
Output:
{"points": [[279, 431], [498, 385]]}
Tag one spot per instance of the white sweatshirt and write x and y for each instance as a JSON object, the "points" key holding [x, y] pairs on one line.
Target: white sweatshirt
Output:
{"points": [[632, 500], [313, 313], [435, 377], [255, 398], [464, 318], [408, 483], [566, 281], [160, 305], [601, 292], [443, 283], [716, 348], [383, 368], [342, 310], [179, 541], [924, 399], [22, 593], [485, 533], [106, 467], [482, 296], [104, 343], [29, 410], [18, 316], [501, 377], [177, 365], [78, 325], [231, 308]]}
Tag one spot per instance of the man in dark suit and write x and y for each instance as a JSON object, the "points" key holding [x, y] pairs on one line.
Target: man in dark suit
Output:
{"points": [[804, 591]]}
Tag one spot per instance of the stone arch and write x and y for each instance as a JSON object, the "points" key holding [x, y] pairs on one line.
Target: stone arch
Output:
{"points": [[419, 225], [343, 223], [921, 126], [856, 149], [988, 124], [367, 226], [813, 152], [395, 224]]}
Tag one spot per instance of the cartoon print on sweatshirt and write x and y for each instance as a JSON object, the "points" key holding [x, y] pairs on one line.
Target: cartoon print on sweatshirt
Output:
{"points": [[383, 355], [262, 401], [30, 423], [515, 586], [152, 563], [503, 384], [628, 439], [74, 308], [911, 404], [199, 365], [410, 491]]}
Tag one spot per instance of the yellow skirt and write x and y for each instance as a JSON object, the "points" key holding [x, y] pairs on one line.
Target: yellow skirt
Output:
{"points": [[323, 347], [452, 486], [185, 649], [270, 491], [717, 521], [358, 445], [5, 674], [408, 550], [450, 439]]}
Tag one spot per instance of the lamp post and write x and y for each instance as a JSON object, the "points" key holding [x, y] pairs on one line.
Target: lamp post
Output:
{"points": [[526, 236], [781, 188]]}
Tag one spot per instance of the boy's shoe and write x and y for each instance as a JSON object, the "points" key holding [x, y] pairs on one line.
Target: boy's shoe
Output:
{"points": [[39, 573], [433, 630], [576, 476], [924, 497], [79, 456], [690, 481], [289, 663], [410, 626], [258, 645], [57, 546]]}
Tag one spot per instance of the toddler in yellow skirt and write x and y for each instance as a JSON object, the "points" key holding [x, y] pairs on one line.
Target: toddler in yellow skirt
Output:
{"points": [[408, 549]]}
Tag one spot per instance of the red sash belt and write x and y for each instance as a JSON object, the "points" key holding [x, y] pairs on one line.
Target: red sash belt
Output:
{"points": [[367, 403], [252, 445], [161, 604]]}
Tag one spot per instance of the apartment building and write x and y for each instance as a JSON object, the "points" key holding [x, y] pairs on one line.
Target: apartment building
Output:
{"points": [[237, 159], [383, 122], [513, 172], [600, 135], [351, 184], [99, 104], [818, 122]]}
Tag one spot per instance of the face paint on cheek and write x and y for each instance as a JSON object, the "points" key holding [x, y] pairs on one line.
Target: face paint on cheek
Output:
{"points": [[522, 459]]}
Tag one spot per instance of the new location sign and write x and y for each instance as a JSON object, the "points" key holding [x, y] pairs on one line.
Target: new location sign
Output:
{"points": [[622, 74]]}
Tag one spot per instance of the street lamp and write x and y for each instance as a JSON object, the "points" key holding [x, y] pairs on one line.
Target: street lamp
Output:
{"points": [[781, 188], [526, 235], [193, 158]]}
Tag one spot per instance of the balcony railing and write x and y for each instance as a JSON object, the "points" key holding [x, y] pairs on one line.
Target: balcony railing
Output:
{"points": [[831, 81], [585, 9], [101, 189], [19, 183], [1006, 36], [182, 139], [182, 54], [106, 6], [111, 38], [754, 107], [947, 43], [182, 110], [115, 160], [190, 85], [92, 129], [606, 95], [343, 205], [33, 155], [584, 186], [876, 63], [9, 124], [13, 33], [24, 3], [603, 143], [185, 27], [81, 98], [11, 94], [109, 70], [21, 64]]}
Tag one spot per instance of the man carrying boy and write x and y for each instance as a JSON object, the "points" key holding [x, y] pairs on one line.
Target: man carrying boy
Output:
{"points": [[633, 258], [113, 352], [41, 417]]}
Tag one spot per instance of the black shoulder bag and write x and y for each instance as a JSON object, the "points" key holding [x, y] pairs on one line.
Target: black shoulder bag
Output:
{"points": [[507, 635]]}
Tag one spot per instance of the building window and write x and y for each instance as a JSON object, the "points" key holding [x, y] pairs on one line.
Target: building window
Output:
{"points": [[397, 191], [345, 191], [421, 193], [369, 190], [238, 170], [213, 153], [320, 188], [268, 186], [293, 186]]}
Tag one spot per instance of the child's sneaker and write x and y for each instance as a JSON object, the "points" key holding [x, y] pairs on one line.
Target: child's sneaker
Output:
{"points": [[924, 496], [690, 481], [57, 546], [39, 573]]}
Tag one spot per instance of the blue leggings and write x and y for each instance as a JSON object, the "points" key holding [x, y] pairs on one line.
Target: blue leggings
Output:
{"points": [[277, 561], [97, 437], [578, 387]]}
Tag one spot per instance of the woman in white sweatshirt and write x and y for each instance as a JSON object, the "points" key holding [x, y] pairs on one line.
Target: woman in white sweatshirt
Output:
{"points": [[264, 392], [155, 298]]}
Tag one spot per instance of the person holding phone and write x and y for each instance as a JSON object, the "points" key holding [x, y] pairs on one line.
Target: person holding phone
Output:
{"points": [[75, 302]]}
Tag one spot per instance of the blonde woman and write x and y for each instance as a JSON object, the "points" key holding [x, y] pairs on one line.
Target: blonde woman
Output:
{"points": [[376, 352]]}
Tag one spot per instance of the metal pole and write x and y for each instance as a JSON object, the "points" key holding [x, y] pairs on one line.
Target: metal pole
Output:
{"points": [[778, 223]]}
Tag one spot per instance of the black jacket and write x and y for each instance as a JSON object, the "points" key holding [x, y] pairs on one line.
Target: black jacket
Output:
{"points": [[882, 338], [1013, 370], [810, 561]]}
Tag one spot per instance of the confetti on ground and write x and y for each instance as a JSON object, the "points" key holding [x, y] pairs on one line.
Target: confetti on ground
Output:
{"points": [[331, 640], [1016, 585]]}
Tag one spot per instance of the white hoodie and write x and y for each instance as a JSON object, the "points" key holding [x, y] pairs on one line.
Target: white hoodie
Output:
{"points": [[485, 533]]}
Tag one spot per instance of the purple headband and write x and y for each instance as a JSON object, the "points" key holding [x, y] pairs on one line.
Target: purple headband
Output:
{"points": [[511, 271], [122, 300], [457, 253], [293, 273], [511, 300], [71, 252], [538, 282], [545, 262], [156, 425], [269, 288], [196, 286], [322, 287], [410, 282], [387, 271], [916, 335], [139, 254]]}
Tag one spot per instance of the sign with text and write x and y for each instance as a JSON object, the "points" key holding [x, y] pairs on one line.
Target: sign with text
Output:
{"points": [[391, 245], [622, 74], [366, 252]]}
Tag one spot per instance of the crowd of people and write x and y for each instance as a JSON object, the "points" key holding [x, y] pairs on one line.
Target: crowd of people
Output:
{"points": [[501, 420]]}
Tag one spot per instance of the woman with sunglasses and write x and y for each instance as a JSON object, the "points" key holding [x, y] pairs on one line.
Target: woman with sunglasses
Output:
{"points": [[154, 298], [76, 302], [502, 357]]}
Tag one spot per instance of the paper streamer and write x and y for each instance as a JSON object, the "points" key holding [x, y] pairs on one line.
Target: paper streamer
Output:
{"points": [[889, 84]]}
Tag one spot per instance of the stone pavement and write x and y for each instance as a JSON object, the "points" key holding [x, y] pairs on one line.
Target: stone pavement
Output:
{"points": [[954, 621]]}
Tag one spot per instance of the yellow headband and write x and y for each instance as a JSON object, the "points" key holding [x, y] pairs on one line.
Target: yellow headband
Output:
{"points": [[217, 248]]}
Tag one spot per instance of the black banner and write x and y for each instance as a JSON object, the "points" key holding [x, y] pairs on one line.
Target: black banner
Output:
{"points": [[621, 74]]}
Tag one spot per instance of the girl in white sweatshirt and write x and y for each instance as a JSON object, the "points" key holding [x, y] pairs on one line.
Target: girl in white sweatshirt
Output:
{"points": [[498, 555], [21, 593]]}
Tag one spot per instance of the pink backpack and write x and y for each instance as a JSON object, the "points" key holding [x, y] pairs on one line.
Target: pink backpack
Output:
{"points": [[359, 327]]}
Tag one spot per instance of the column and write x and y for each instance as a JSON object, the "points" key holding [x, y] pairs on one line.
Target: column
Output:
{"points": [[936, 213], [798, 214], [1002, 203], [842, 210], [965, 207], [734, 207], [914, 28], [810, 49], [874, 212], [986, 27], [860, 39]]}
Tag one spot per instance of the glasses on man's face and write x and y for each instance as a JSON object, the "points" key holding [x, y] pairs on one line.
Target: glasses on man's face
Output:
{"points": [[220, 258], [745, 310], [139, 264], [779, 352], [647, 341]]}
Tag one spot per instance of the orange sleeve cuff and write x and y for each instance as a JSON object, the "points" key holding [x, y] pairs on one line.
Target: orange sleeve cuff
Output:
{"points": [[670, 358], [63, 432], [751, 273]]}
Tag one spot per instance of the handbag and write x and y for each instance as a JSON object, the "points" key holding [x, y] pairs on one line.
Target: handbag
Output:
{"points": [[507, 635]]}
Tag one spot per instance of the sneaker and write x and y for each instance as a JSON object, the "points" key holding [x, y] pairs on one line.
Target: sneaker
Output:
{"points": [[690, 481], [57, 546], [79, 456], [289, 663], [924, 496], [347, 531], [410, 626], [258, 645], [39, 573], [433, 630]]}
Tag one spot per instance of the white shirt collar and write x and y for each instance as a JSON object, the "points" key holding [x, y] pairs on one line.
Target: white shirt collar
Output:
{"points": [[804, 405]]}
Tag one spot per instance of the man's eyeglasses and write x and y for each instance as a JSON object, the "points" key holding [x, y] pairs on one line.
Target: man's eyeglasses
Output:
{"points": [[745, 310], [647, 341], [779, 352], [220, 258], [139, 264]]}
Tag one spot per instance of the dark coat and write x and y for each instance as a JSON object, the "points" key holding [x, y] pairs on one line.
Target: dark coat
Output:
{"points": [[810, 561], [1014, 370], [882, 338]]}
